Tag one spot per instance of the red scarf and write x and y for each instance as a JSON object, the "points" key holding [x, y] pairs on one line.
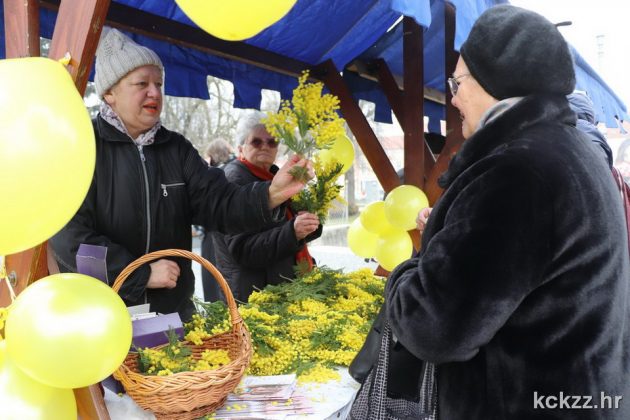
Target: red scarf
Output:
{"points": [[302, 255]]}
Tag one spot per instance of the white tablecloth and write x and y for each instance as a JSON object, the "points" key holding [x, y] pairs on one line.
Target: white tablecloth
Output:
{"points": [[331, 400]]}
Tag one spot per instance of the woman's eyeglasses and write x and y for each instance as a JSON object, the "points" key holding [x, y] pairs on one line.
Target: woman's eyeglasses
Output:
{"points": [[257, 143], [453, 83]]}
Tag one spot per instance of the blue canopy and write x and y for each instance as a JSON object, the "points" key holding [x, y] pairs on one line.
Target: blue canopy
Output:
{"points": [[608, 105], [340, 30]]}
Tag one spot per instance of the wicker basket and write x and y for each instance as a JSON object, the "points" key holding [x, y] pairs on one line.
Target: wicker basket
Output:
{"points": [[189, 395]]}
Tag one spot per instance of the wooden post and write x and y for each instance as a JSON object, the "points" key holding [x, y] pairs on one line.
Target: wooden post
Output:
{"points": [[413, 102], [77, 31], [21, 28], [454, 137], [22, 40]]}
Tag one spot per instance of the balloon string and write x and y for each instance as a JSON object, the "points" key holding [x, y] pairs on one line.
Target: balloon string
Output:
{"points": [[65, 60], [3, 276]]}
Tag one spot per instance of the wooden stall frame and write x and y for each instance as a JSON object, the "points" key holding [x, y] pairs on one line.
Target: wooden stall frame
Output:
{"points": [[77, 31]]}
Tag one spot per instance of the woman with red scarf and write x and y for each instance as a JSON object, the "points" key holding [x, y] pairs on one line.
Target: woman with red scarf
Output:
{"points": [[268, 256]]}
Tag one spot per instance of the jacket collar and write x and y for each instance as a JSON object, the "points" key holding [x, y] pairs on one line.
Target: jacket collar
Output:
{"points": [[531, 111], [108, 132]]}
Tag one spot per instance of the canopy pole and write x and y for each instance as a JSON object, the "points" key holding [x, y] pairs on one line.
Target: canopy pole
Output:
{"points": [[22, 40], [22, 29], [413, 101], [454, 137], [77, 32]]}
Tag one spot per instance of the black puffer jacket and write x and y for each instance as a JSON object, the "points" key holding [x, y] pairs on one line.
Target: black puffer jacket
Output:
{"points": [[146, 199], [520, 293], [264, 257]]}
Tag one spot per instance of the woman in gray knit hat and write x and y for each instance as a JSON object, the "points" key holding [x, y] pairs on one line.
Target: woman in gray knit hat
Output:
{"points": [[519, 299], [150, 185]]}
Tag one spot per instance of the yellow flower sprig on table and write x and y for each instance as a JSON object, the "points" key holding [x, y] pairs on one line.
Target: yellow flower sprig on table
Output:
{"points": [[169, 359], [313, 323], [308, 325], [177, 357], [307, 123], [212, 319]]}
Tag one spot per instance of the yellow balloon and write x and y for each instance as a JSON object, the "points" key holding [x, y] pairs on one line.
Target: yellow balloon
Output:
{"points": [[23, 398], [235, 20], [373, 219], [393, 248], [402, 205], [47, 151], [68, 330], [341, 151], [361, 241]]}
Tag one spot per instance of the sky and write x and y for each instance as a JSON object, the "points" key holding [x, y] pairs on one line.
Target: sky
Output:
{"points": [[600, 32]]}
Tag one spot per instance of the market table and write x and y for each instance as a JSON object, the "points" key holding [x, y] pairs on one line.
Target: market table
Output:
{"points": [[331, 400]]}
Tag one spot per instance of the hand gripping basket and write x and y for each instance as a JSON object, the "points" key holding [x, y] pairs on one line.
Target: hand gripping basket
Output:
{"points": [[188, 395]]}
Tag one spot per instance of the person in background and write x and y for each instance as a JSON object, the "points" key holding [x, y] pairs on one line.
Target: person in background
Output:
{"points": [[582, 105], [519, 295], [253, 260], [622, 162], [150, 185], [218, 153], [584, 110]]}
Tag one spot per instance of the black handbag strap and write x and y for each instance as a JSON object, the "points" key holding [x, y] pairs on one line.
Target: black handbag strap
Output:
{"points": [[367, 357]]}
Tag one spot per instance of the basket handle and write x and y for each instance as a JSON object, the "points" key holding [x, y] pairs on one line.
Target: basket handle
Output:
{"points": [[231, 303]]}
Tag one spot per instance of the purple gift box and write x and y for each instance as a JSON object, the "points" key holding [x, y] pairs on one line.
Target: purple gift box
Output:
{"points": [[91, 261], [151, 332]]}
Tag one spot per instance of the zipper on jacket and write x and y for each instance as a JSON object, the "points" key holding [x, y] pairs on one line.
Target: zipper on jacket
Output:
{"points": [[147, 197], [165, 186]]}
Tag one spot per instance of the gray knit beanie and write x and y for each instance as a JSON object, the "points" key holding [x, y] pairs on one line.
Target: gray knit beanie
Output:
{"points": [[511, 52], [116, 56]]}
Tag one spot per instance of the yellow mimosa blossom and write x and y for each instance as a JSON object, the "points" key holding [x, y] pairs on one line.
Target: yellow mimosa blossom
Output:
{"points": [[319, 374], [318, 320], [306, 124]]}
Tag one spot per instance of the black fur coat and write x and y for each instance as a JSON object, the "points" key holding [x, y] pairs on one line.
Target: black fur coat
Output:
{"points": [[520, 293]]}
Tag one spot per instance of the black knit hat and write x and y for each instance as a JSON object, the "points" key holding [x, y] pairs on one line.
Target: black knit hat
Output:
{"points": [[511, 51]]}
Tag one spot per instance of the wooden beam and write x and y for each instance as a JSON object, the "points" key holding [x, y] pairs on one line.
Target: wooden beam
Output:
{"points": [[413, 101], [77, 31], [366, 70], [454, 137], [135, 20], [390, 87], [371, 147], [394, 98], [21, 28]]}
